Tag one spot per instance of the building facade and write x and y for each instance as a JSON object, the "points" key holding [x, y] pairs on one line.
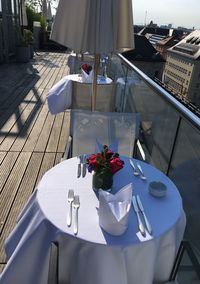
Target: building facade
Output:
{"points": [[182, 68]]}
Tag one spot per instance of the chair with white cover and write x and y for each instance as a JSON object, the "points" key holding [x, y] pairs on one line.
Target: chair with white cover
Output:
{"points": [[86, 128], [82, 94]]}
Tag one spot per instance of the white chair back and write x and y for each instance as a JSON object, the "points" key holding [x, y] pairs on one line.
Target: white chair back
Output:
{"points": [[87, 127], [82, 94]]}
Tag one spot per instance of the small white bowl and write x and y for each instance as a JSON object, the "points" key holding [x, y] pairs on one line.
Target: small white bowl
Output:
{"points": [[157, 188]]}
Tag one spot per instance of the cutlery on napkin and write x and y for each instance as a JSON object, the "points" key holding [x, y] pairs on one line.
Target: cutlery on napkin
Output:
{"points": [[114, 210], [148, 226], [70, 199], [76, 205], [140, 224]]}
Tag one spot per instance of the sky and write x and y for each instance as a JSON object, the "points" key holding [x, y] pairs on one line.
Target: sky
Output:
{"points": [[184, 13]]}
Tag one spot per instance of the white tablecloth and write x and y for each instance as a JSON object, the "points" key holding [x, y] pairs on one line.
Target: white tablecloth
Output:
{"points": [[60, 96], [94, 256]]}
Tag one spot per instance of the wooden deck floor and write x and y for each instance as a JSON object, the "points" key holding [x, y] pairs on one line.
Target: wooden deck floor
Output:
{"points": [[31, 139]]}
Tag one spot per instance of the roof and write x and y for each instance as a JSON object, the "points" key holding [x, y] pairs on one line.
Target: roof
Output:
{"points": [[162, 31], [144, 50], [189, 46], [156, 38], [166, 41]]}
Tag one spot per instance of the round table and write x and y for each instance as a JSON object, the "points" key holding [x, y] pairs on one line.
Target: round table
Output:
{"points": [[94, 256], [60, 97]]}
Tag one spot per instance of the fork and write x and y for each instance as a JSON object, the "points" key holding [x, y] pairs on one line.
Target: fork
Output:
{"points": [[76, 205], [70, 199]]}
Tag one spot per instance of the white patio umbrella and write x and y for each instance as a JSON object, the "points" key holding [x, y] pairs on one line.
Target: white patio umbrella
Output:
{"points": [[49, 13], [44, 8], [22, 14], [94, 26]]}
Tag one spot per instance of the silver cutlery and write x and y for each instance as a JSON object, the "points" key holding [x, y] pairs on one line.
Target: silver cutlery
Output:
{"points": [[76, 205], [135, 172], [84, 169], [149, 229], [141, 171], [140, 224], [79, 167], [70, 199]]}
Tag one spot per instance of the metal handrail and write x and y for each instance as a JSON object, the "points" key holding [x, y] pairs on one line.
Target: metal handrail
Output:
{"points": [[182, 110]]}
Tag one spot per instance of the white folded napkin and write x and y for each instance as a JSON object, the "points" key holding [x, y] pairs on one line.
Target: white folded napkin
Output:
{"points": [[114, 210], [87, 78]]}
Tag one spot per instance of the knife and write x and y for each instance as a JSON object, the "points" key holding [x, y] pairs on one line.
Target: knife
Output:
{"points": [[140, 225], [84, 169], [144, 215], [79, 167]]}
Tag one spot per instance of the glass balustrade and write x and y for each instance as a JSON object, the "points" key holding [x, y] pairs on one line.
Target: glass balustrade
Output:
{"points": [[170, 134]]}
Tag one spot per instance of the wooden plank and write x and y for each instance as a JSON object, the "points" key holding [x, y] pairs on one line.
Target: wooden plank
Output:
{"points": [[13, 115], [20, 129], [2, 156], [36, 130], [55, 133], [58, 158], [64, 132], [47, 164], [9, 123], [6, 167], [10, 188], [44, 135], [25, 189], [25, 117], [26, 130], [54, 66]]}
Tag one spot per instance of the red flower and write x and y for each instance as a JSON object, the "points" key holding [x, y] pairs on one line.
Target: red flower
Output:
{"points": [[106, 162], [115, 165]]}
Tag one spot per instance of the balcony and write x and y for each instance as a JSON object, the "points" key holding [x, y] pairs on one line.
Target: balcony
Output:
{"points": [[32, 140]]}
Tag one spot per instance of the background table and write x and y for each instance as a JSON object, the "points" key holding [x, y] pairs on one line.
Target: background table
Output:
{"points": [[65, 95], [94, 256]]}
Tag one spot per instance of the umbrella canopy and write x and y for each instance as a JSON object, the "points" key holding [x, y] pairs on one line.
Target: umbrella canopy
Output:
{"points": [[94, 26], [22, 14], [49, 14], [44, 8]]}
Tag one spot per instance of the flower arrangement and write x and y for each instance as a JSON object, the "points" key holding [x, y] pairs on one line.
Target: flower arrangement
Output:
{"points": [[87, 68], [104, 165]]}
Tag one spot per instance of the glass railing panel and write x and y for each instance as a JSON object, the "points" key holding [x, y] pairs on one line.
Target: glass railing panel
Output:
{"points": [[185, 172], [170, 137], [158, 121]]}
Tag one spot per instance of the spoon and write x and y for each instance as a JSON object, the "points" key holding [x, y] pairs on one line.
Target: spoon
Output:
{"points": [[135, 172]]}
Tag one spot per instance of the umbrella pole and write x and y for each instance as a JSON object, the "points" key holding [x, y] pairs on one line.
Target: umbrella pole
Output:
{"points": [[94, 85]]}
